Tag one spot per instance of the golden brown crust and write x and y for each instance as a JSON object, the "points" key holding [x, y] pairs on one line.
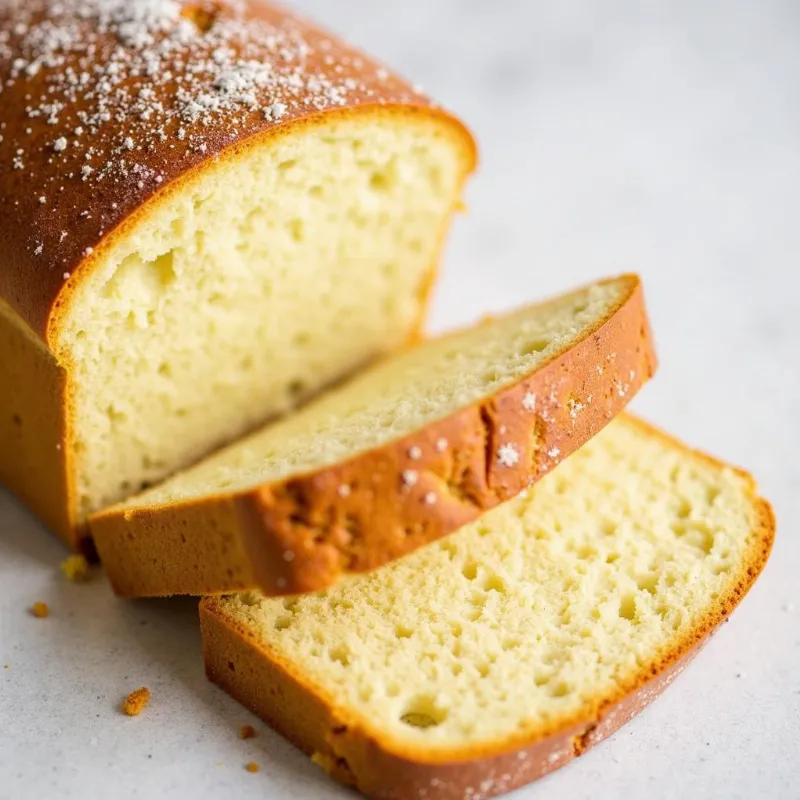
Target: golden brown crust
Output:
{"points": [[301, 534], [353, 752], [56, 217], [203, 547], [33, 451]]}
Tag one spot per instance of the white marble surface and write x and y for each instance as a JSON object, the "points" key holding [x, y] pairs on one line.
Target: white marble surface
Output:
{"points": [[660, 137]]}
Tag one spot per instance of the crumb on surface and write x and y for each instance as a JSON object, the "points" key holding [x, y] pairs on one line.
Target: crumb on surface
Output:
{"points": [[136, 701], [247, 732], [40, 610], [251, 766], [76, 569]]}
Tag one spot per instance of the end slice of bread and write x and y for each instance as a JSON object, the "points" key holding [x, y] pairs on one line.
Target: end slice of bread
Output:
{"points": [[498, 654], [403, 454]]}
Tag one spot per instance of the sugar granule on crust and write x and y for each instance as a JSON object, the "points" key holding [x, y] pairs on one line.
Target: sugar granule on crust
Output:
{"points": [[409, 477], [136, 701], [76, 569], [508, 455], [40, 610]]}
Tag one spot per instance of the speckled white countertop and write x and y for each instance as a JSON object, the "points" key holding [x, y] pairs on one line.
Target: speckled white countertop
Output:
{"points": [[660, 137]]}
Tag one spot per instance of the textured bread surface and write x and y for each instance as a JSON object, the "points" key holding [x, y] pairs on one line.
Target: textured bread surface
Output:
{"points": [[498, 653], [402, 454], [217, 210]]}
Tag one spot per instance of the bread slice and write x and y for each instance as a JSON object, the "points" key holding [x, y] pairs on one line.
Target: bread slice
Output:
{"points": [[496, 655], [401, 455], [230, 210]]}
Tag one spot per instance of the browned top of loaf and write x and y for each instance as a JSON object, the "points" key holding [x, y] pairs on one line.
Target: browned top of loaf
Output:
{"points": [[104, 103]]}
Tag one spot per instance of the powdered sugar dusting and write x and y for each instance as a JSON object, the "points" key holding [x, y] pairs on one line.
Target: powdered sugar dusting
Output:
{"points": [[575, 407], [508, 455], [123, 84], [409, 477]]}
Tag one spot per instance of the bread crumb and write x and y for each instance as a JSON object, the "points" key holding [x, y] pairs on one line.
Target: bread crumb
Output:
{"points": [[136, 701], [247, 732], [251, 766], [40, 610], [76, 569]]}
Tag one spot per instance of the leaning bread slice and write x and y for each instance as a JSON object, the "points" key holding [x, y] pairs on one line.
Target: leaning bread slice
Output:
{"points": [[406, 452], [496, 655]]}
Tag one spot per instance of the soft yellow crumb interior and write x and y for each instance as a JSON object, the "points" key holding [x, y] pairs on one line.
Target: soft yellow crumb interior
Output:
{"points": [[547, 604], [399, 396], [263, 278]]}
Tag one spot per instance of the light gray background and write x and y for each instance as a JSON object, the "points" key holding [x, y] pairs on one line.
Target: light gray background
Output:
{"points": [[659, 137]]}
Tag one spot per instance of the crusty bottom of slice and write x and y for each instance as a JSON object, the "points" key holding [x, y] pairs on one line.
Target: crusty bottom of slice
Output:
{"points": [[491, 657]]}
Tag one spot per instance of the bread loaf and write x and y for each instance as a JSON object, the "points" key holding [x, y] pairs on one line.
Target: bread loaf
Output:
{"points": [[209, 211], [404, 453], [500, 653]]}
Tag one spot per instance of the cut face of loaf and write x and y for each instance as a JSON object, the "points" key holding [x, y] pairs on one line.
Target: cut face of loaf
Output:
{"points": [[261, 280], [402, 454], [498, 653], [233, 210]]}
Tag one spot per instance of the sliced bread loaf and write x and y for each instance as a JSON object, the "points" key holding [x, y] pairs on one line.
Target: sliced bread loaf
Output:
{"points": [[399, 456], [498, 654], [211, 210]]}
